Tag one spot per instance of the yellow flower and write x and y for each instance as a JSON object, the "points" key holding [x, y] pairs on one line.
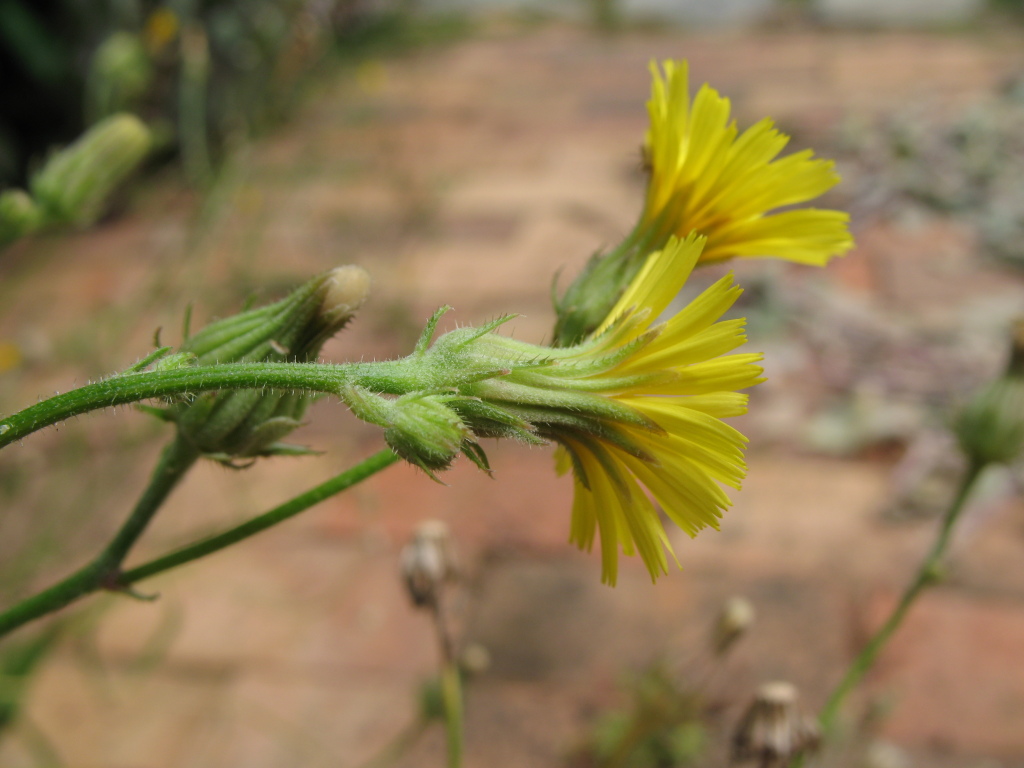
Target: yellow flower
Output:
{"points": [[706, 179], [675, 376]]}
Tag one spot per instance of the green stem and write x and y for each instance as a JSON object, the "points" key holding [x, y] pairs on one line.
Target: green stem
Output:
{"points": [[451, 692], [279, 514], [103, 572], [175, 461], [928, 573], [391, 377]]}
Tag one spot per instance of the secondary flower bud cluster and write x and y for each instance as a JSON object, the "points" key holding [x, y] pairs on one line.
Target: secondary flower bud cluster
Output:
{"points": [[74, 185], [251, 423]]}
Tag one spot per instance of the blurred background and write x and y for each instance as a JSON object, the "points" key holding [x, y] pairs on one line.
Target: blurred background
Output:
{"points": [[463, 151]]}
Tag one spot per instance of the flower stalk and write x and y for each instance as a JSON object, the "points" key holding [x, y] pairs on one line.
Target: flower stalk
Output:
{"points": [[104, 573]]}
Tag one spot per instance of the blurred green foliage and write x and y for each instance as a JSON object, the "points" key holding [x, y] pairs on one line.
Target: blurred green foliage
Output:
{"points": [[216, 68], [662, 726]]}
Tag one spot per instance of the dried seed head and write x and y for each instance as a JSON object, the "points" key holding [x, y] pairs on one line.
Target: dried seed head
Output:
{"points": [[773, 730], [735, 618], [428, 563]]}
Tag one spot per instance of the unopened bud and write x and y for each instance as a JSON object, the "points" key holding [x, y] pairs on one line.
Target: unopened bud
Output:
{"points": [[428, 563], [426, 432], [342, 291], [735, 618], [990, 428], [75, 183], [773, 730], [250, 423], [422, 429]]}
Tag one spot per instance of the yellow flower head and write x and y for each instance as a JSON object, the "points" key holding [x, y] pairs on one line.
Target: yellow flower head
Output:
{"points": [[634, 406], [706, 179], [685, 387]]}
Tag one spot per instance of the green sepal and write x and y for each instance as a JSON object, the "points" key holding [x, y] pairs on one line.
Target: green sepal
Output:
{"points": [[473, 451]]}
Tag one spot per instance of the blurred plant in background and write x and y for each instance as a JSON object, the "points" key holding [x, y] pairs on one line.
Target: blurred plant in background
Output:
{"points": [[202, 75], [968, 166]]}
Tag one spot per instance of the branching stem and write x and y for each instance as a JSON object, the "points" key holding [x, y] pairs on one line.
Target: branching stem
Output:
{"points": [[105, 571]]}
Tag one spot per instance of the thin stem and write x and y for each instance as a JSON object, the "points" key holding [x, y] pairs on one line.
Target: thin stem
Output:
{"points": [[928, 573], [279, 514], [389, 377], [103, 572], [451, 683], [176, 459], [451, 693]]}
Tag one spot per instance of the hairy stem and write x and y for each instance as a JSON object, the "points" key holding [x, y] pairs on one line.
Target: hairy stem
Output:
{"points": [[104, 572], [391, 377]]}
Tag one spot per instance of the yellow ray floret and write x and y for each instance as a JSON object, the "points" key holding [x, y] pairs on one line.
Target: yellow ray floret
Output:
{"points": [[680, 378], [707, 178]]}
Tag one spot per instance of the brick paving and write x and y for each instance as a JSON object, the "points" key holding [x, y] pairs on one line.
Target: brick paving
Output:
{"points": [[466, 175]]}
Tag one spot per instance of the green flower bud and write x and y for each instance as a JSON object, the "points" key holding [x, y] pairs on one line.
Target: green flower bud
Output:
{"points": [[19, 215], [991, 428], [251, 423], [76, 182], [421, 428], [425, 431]]}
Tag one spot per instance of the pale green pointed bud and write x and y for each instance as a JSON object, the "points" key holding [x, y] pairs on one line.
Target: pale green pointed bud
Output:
{"points": [[420, 428], [425, 432], [990, 429], [250, 423], [19, 215], [74, 185], [292, 329]]}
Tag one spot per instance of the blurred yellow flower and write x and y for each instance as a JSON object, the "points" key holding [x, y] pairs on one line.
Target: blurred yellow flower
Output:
{"points": [[705, 178], [161, 28], [10, 356], [679, 378]]}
